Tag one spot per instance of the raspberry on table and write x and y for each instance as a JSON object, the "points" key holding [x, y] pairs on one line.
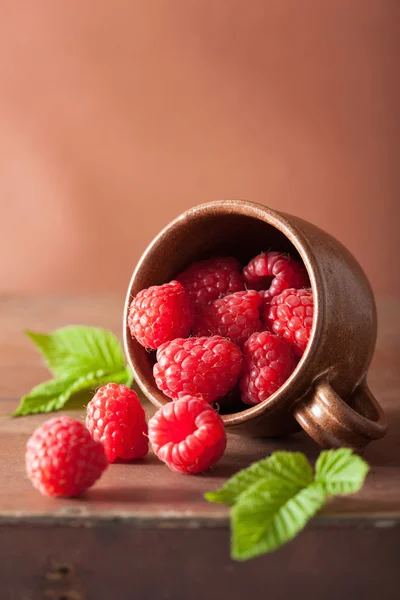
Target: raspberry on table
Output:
{"points": [[116, 418], [62, 459], [290, 315], [236, 317], [208, 280], [188, 435], [207, 367], [268, 362], [160, 314], [274, 272]]}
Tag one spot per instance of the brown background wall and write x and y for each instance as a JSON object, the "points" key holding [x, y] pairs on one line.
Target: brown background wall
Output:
{"points": [[116, 116]]}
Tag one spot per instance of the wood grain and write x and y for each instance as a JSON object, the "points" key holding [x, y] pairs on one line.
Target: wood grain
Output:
{"points": [[146, 496]]}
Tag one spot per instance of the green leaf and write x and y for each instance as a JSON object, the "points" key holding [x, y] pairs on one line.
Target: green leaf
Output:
{"points": [[53, 395], [81, 359], [268, 516], [78, 350], [45, 397], [274, 498], [340, 471], [292, 467]]}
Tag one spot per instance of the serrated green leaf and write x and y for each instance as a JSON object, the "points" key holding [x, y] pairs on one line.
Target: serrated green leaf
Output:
{"points": [[81, 358], [292, 467], [76, 351], [45, 397], [270, 516], [54, 395], [340, 471]]}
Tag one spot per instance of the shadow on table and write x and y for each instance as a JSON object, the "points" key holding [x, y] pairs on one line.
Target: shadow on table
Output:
{"points": [[166, 487], [386, 452]]}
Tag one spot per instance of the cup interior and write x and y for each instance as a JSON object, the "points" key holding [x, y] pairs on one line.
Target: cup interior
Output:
{"points": [[200, 234]]}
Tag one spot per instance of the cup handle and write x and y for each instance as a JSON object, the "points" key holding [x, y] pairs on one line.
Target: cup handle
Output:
{"points": [[333, 423]]}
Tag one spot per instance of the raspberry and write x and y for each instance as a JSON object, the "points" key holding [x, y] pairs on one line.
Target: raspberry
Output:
{"points": [[160, 314], [290, 315], [268, 362], [274, 272], [236, 317], [208, 280], [62, 459], [116, 418], [206, 366], [188, 435]]}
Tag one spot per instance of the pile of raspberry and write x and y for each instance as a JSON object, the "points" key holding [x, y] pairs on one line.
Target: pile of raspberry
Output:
{"points": [[218, 325], [216, 328]]}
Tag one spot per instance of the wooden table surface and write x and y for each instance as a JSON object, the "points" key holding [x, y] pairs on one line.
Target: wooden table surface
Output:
{"points": [[145, 532]]}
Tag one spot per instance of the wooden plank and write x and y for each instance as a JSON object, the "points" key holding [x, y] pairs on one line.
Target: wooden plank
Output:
{"points": [[147, 489], [122, 563], [148, 532]]}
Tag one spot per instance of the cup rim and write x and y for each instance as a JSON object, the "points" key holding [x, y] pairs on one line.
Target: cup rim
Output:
{"points": [[282, 224]]}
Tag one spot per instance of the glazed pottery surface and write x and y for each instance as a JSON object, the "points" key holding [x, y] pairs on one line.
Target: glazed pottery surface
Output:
{"points": [[327, 394]]}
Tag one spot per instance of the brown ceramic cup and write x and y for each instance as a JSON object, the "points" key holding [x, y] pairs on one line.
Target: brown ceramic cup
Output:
{"points": [[327, 394]]}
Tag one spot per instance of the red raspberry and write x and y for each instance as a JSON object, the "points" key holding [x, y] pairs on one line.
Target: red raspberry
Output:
{"points": [[236, 317], [208, 280], [207, 366], [188, 435], [160, 314], [62, 459], [290, 315], [274, 272], [116, 418], [268, 362]]}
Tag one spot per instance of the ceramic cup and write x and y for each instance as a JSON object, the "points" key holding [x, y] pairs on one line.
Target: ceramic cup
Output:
{"points": [[327, 394]]}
